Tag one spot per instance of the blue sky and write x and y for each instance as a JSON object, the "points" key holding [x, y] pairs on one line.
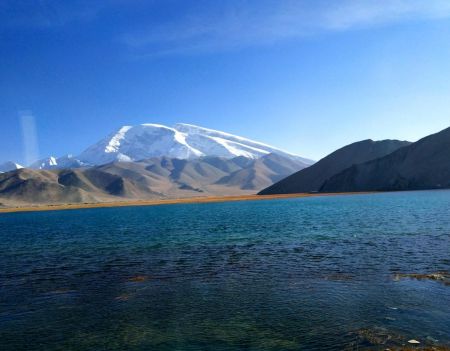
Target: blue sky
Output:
{"points": [[306, 76]]}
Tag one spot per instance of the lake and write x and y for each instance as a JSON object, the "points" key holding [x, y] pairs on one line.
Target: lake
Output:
{"points": [[321, 273]]}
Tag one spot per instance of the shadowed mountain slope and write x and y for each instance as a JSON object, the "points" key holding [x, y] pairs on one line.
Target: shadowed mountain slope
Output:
{"points": [[313, 177], [265, 170], [25, 185], [424, 164]]}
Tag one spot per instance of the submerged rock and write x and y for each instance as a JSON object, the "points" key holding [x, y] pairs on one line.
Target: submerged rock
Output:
{"points": [[372, 336], [339, 277], [418, 348], [139, 278], [123, 297], [378, 338], [443, 277]]}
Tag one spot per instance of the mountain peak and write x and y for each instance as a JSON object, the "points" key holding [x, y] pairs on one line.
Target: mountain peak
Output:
{"points": [[52, 162], [9, 166], [149, 140], [183, 141]]}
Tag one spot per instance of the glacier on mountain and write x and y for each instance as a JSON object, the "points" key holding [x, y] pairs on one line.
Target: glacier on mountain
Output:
{"points": [[184, 141], [144, 141]]}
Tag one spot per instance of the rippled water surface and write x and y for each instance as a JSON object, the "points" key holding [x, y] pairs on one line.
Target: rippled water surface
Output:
{"points": [[296, 274]]}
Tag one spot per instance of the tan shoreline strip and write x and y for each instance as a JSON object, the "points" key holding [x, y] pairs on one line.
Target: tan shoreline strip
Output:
{"points": [[191, 200]]}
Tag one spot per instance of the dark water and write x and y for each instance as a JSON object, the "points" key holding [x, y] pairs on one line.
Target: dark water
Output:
{"points": [[296, 274]]}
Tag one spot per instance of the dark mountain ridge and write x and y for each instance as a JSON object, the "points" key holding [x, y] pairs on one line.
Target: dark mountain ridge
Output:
{"points": [[424, 164], [312, 178]]}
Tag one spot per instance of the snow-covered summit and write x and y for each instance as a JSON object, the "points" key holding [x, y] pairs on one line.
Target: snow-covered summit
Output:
{"points": [[45, 163], [131, 143], [230, 145], [9, 166], [185, 141], [52, 162]]}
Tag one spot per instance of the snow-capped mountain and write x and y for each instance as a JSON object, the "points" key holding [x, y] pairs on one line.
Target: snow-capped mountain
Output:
{"points": [[9, 166], [52, 162], [152, 161], [184, 141], [45, 163]]}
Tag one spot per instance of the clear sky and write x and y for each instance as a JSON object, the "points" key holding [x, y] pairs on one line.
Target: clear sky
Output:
{"points": [[305, 76]]}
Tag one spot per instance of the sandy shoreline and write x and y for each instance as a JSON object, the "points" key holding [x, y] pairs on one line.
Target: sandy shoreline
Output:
{"points": [[192, 200]]}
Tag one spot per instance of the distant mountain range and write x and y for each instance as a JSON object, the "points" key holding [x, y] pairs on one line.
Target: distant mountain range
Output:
{"points": [[152, 161], [376, 166], [182, 141], [158, 177], [9, 166]]}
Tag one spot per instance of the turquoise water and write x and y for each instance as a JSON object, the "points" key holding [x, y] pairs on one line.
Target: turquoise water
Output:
{"points": [[295, 274]]}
